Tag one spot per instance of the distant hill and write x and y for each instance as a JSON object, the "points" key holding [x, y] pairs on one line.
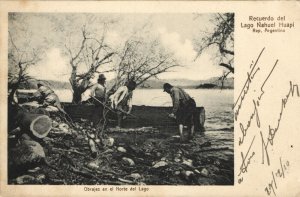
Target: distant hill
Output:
{"points": [[215, 83], [186, 83], [32, 84], [212, 83]]}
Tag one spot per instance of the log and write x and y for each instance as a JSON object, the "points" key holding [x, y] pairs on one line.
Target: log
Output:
{"points": [[41, 111], [27, 153], [36, 124]]}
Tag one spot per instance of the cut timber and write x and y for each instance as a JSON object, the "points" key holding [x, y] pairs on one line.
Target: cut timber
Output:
{"points": [[27, 153], [41, 111], [37, 124]]}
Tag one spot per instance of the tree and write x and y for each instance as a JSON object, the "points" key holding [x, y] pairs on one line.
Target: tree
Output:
{"points": [[92, 53], [21, 55], [141, 58], [221, 39]]}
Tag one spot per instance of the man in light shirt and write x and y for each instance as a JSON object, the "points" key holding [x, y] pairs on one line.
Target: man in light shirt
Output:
{"points": [[98, 93], [98, 90], [121, 100]]}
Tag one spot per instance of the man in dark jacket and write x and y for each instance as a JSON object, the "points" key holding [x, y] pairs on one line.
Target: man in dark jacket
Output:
{"points": [[184, 108]]}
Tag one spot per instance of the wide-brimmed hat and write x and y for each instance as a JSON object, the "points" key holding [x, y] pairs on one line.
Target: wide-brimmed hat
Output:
{"points": [[167, 86], [101, 77], [131, 84], [40, 83]]}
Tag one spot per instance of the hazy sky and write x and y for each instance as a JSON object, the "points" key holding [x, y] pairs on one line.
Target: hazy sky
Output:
{"points": [[175, 31]]}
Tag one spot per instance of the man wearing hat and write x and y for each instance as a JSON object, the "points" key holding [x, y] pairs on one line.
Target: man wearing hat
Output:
{"points": [[98, 93], [184, 108], [98, 90]]}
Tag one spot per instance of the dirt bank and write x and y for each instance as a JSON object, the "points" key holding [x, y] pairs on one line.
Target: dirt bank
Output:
{"points": [[134, 157]]}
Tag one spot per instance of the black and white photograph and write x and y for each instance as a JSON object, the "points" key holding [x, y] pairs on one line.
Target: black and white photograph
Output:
{"points": [[120, 98]]}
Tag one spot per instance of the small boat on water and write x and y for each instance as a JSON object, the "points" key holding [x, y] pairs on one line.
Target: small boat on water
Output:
{"points": [[142, 116]]}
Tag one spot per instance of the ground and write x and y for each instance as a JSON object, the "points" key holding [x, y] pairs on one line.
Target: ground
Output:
{"points": [[144, 156]]}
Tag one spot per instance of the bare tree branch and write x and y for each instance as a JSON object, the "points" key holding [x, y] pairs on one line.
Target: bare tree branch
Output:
{"points": [[91, 55], [222, 37]]}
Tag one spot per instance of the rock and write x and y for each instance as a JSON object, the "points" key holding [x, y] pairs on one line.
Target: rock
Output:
{"points": [[135, 176], [25, 179], [34, 170], [94, 165], [128, 161], [64, 127], [73, 131], [92, 136], [204, 172], [163, 159], [97, 140], [177, 172], [160, 164], [121, 149], [188, 173], [27, 152], [217, 162], [109, 141], [16, 130], [54, 124], [177, 160], [40, 178], [197, 171], [188, 162], [177, 155]]}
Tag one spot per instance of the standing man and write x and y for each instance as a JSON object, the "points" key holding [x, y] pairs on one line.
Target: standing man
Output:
{"points": [[98, 93], [121, 100], [184, 108]]}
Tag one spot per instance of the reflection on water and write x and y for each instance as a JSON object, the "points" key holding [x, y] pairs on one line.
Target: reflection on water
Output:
{"points": [[218, 104]]}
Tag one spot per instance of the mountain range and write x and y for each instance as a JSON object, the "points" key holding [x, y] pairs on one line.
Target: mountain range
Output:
{"points": [[212, 83], [186, 83]]}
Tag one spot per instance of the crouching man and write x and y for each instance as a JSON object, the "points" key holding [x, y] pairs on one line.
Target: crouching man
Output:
{"points": [[184, 108], [121, 100], [48, 98]]}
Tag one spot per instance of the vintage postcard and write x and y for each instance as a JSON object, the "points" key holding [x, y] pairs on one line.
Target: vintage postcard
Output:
{"points": [[150, 98]]}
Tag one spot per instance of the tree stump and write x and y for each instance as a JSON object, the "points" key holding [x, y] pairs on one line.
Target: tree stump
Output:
{"points": [[27, 154], [36, 124]]}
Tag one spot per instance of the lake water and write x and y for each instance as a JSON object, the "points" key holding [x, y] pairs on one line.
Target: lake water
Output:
{"points": [[217, 103]]}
